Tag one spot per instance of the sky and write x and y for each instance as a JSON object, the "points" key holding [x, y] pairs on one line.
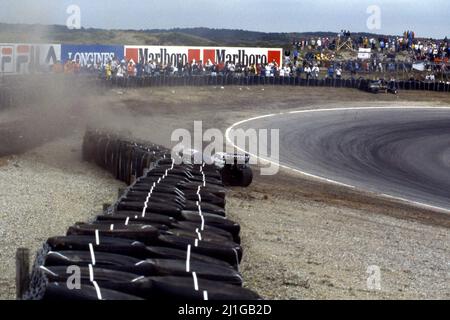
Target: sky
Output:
{"points": [[428, 18]]}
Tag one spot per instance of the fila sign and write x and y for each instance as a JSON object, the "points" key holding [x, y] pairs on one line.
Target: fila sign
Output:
{"points": [[28, 58]]}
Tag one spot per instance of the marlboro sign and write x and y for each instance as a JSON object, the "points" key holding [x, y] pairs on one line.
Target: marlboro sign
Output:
{"points": [[174, 55]]}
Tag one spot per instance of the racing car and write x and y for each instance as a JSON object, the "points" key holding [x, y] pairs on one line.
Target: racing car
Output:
{"points": [[377, 86], [234, 168]]}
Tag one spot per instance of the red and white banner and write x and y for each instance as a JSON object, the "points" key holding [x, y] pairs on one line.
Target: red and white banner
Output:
{"points": [[174, 55]]}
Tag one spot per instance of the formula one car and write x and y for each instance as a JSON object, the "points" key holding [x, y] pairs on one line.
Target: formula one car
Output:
{"points": [[234, 168], [378, 86]]}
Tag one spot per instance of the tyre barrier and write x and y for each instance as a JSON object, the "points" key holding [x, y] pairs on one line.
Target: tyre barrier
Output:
{"points": [[166, 237], [224, 80]]}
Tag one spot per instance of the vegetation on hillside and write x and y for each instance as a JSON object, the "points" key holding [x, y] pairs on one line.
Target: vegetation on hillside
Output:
{"points": [[178, 36]]}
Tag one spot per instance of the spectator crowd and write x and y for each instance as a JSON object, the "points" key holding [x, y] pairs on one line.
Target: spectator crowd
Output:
{"points": [[421, 49], [309, 58], [387, 54]]}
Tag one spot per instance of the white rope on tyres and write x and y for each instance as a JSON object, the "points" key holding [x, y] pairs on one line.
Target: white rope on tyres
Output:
{"points": [[149, 195], [198, 234], [91, 249], [91, 273], [237, 258], [203, 222], [97, 289], [144, 210], [194, 276], [188, 258], [97, 238], [202, 227], [138, 278], [188, 252], [48, 271], [57, 254]]}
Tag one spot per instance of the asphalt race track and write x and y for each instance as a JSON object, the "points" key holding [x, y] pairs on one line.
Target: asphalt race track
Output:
{"points": [[403, 153]]}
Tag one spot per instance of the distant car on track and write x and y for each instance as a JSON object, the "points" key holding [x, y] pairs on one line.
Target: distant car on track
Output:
{"points": [[377, 86]]}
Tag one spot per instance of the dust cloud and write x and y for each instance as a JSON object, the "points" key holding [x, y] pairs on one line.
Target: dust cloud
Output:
{"points": [[47, 107]]}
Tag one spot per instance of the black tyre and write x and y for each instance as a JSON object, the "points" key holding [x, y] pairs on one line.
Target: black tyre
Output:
{"points": [[57, 291], [245, 176], [143, 233]]}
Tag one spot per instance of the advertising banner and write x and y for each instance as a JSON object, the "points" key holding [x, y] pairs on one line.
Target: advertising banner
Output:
{"points": [[364, 53], [28, 58], [419, 66], [91, 54], [176, 55], [7, 59]]}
